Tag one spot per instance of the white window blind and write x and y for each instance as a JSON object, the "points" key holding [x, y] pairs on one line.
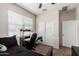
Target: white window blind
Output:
{"points": [[16, 22]]}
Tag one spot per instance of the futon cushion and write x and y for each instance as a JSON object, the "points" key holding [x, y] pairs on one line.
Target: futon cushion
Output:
{"points": [[9, 41]]}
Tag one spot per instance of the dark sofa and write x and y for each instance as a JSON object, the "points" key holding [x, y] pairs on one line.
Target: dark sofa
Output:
{"points": [[13, 49]]}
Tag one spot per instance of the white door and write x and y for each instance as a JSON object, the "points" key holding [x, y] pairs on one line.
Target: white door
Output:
{"points": [[49, 35], [69, 33], [41, 30], [46, 29]]}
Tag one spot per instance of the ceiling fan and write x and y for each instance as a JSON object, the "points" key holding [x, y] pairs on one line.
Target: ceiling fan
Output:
{"points": [[40, 5]]}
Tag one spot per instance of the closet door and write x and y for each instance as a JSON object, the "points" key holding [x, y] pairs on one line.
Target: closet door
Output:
{"points": [[69, 33], [49, 35], [46, 30], [41, 30]]}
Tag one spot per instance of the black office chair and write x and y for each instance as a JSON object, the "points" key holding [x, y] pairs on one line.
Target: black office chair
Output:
{"points": [[31, 43]]}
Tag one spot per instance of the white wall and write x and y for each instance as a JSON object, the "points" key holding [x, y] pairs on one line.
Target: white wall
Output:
{"points": [[3, 20], [52, 16], [77, 25], [77, 13]]}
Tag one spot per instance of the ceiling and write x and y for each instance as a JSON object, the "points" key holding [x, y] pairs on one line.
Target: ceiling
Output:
{"points": [[34, 7]]}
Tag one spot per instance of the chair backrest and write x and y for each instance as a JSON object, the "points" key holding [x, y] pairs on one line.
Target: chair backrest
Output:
{"points": [[33, 38]]}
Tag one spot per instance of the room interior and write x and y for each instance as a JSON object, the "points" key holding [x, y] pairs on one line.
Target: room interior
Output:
{"points": [[39, 29]]}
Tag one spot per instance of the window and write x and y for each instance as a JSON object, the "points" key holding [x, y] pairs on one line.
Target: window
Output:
{"points": [[17, 22], [27, 24]]}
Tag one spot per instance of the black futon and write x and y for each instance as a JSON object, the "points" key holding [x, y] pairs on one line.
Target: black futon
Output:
{"points": [[13, 49]]}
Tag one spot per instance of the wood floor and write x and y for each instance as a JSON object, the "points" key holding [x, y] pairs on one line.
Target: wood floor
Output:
{"points": [[63, 51]]}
